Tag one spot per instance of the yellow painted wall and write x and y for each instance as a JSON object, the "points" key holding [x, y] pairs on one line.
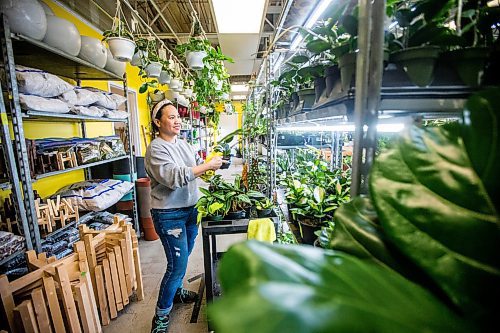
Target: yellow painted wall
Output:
{"points": [[35, 130]]}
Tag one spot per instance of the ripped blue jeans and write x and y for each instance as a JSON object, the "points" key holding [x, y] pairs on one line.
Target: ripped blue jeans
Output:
{"points": [[177, 229]]}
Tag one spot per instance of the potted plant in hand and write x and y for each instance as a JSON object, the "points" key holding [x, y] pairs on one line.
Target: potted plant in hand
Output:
{"points": [[120, 40]]}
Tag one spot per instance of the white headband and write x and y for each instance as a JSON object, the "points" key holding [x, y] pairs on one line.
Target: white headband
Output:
{"points": [[158, 106]]}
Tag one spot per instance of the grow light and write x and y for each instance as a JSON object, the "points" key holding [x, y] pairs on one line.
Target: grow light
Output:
{"points": [[311, 21], [238, 16]]}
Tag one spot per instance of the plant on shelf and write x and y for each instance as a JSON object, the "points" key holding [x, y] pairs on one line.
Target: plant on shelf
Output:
{"points": [[264, 206], [421, 249]]}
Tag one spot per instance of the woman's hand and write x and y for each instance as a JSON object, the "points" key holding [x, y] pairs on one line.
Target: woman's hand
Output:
{"points": [[215, 163]]}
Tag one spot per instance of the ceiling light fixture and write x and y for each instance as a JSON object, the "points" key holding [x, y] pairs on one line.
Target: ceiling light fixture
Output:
{"points": [[313, 18], [238, 16], [239, 88]]}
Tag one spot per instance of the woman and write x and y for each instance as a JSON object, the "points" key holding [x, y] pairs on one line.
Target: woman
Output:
{"points": [[173, 167]]}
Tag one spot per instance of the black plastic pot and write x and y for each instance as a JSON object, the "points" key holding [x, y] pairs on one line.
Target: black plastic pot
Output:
{"points": [[469, 63], [226, 163], [332, 75], [418, 63], [307, 96], [308, 229], [241, 214], [319, 87], [347, 65], [264, 212]]}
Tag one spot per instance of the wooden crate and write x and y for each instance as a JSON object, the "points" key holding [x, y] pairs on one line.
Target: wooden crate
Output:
{"points": [[56, 296]]}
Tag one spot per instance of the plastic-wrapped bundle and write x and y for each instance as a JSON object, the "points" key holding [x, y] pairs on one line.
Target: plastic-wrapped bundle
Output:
{"points": [[40, 83], [108, 100], [96, 195], [37, 103], [88, 152], [63, 253], [115, 114], [98, 225], [79, 97], [89, 111], [111, 147], [10, 244]]}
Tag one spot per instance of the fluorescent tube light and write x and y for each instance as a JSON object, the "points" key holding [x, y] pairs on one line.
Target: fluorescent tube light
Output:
{"points": [[313, 18], [239, 88], [383, 128], [238, 16]]}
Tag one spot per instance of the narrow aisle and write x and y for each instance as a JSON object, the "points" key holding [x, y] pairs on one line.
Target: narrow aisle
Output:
{"points": [[137, 316]]}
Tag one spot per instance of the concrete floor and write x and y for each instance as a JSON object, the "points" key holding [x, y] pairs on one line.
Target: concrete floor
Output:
{"points": [[137, 316]]}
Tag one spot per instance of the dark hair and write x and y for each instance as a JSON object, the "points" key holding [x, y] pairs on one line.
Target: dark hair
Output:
{"points": [[158, 116]]}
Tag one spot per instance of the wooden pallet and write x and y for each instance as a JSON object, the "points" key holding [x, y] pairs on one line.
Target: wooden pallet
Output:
{"points": [[114, 267], [56, 296]]}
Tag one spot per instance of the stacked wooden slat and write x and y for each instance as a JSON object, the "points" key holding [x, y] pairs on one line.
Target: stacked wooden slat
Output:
{"points": [[114, 267], [56, 296]]}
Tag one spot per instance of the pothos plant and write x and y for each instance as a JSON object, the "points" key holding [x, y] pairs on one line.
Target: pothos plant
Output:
{"points": [[119, 29]]}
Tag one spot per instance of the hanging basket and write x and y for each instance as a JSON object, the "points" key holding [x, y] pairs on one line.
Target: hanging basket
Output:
{"points": [[174, 84], [164, 77], [180, 87], [194, 59], [188, 92], [139, 58], [121, 48], [154, 69]]}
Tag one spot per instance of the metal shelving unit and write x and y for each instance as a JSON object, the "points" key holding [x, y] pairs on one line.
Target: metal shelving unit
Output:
{"points": [[29, 52]]}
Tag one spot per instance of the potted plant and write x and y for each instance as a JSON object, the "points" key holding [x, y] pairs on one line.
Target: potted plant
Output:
{"points": [[153, 66], [210, 206], [165, 74], [141, 52], [195, 50], [264, 207], [120, 40]]}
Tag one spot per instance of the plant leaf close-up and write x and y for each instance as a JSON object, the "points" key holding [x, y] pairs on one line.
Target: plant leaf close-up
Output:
{"points": [[297, 289], [434, 208]]}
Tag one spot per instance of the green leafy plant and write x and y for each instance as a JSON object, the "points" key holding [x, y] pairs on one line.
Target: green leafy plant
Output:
{"points": [[119, 29], [194, 44]]}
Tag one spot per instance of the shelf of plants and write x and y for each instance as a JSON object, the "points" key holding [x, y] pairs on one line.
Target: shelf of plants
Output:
{"points": [[421, 244]]}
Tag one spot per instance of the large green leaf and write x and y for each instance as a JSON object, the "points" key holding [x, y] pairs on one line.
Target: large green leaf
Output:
{"points": [[357, 231], [298, 289], [481, 134], [317, 46], [434, 208]]}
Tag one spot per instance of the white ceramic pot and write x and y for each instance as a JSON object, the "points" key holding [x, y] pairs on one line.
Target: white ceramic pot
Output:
{"points": [[121, 48], [182, 100], [157, 97], [139, 58], [153, 69], [218, 85], [180, 87], [26, 17], [93, 51], [114, 66], [174, 84], [225, 96], [195, 59], [63, 35], [203, 109], [188, 92], [46, 8], [164, 77]]}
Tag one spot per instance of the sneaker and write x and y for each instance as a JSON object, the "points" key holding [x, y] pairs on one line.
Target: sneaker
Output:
{"points": [[160, 324], [185, 296]]}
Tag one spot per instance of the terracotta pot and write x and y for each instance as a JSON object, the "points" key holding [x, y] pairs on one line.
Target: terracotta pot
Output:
{"points": [[148, 228]]}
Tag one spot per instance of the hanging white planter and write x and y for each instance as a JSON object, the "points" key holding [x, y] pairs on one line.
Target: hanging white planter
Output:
{"points": [[139, 57], [225, 96], [194, 59], [121, 48], [203, 109], [180, 87], [188, 92], [218, 86], [182, 100], [153, 69], [157, 96], [174, 84], [164, 77]]}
